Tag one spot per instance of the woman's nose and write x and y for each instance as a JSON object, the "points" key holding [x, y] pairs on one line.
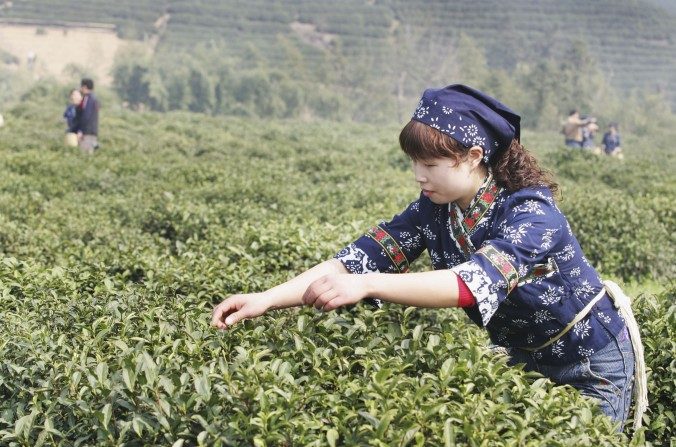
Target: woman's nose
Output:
{"points": [[419, 175], [416, 171]]}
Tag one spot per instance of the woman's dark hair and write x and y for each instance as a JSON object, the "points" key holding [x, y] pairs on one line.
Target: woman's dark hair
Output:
{"points": [[513, 169]]}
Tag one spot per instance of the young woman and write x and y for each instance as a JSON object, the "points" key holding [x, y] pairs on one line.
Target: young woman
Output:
{"points": [[501, 249], [72, 115]]}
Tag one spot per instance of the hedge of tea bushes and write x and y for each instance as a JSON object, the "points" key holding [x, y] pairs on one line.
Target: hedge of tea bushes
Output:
{"points": [[111, 265], [106, 361], [657, 319], [621, 211]]}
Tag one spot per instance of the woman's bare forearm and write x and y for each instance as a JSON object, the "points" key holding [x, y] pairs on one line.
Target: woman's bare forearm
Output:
{"points": [[290, 293], [437, 288]]}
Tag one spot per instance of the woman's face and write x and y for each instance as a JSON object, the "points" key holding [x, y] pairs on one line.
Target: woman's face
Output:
{"points": [[75, 97], [443, 180]]}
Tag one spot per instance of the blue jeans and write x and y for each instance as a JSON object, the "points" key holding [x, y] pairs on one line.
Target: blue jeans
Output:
{"points": [[574, 144], [607, 375]]}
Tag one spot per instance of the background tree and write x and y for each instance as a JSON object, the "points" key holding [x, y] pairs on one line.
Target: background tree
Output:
{"points": [[130, 75]]}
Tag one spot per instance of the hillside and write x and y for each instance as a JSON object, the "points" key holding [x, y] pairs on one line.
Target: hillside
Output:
{"points": [[668, 5], [634, 42]]}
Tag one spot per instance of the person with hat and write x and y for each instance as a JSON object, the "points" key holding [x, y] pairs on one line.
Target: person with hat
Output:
{"points": [[501, 250], [588, 133]]}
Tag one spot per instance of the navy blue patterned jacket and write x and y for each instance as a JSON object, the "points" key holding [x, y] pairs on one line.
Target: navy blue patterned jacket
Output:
{"points": [[518, 256]]}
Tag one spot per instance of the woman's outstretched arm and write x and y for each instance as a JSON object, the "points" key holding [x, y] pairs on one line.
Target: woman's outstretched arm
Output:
{"points": [[437, 288], [289, 294], [328, 286]]}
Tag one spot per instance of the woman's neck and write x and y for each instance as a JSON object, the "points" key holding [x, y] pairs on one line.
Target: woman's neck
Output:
{"points": [[478, 177]]}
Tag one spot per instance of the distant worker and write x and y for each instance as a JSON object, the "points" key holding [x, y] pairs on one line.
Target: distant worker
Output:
{"points": [[88, 126], [572, 129], [72, 117], [588, 133], [611, 141]]}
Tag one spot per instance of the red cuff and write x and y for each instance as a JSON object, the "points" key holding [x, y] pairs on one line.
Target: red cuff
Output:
{"points": [[465, 297]]}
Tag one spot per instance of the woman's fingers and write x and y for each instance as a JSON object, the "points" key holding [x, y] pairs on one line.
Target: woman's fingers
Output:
{"points": [[324, 298], [323, 293], [222, 314], [337, 302], [314, 290], [238, 307], [235, 317], [218, 316], [320, 292]]}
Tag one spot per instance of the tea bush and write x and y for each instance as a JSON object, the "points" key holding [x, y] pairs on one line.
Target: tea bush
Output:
{"points": [[104, 361], [621, 211], [635, 244], [111, 265], [657, 318]]}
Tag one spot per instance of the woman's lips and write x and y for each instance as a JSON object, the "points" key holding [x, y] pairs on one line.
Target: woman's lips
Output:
{"points": [[427, 193]]}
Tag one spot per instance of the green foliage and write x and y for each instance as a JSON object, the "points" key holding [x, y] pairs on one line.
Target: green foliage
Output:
{"points": [[657, 318], [542, 92], [621, 211], [8, 58], [48, 90], [111, 264], [556, 85], [131, 77], [630, 41], [201, 91], [620, 236], [369, 61], [12, 84], [128, 366]]}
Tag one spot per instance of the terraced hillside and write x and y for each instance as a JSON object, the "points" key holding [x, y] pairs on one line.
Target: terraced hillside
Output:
{"points": [[634, 41]]}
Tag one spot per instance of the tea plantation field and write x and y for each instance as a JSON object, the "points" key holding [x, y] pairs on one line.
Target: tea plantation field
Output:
{"points": [[110, 266]]}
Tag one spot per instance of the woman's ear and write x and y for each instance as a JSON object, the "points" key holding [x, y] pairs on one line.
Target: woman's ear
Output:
{"points": [[475, 155]]}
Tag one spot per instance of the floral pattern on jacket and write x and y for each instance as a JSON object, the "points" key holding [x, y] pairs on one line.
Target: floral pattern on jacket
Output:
{"points": [[518, 256]]}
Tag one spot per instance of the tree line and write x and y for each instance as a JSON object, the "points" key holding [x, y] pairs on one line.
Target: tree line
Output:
{"points": [[376, 88]]}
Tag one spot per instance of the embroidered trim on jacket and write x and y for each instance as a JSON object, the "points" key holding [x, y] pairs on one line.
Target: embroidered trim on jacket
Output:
{"points": [[502, 264], [464, 225], [481, 206], [391, 248]]}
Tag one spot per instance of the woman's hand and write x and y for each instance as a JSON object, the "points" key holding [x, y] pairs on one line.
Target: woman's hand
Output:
{"points": [[332, 291], [238, 307]]}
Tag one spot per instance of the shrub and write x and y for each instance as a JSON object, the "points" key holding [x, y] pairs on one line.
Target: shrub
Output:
{"points": [[620, 211], [620, 236], [657, 319], [110, 265]]}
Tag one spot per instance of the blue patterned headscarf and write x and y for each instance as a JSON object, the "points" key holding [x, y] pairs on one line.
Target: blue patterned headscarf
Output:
{"points": [[470, 117]]}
